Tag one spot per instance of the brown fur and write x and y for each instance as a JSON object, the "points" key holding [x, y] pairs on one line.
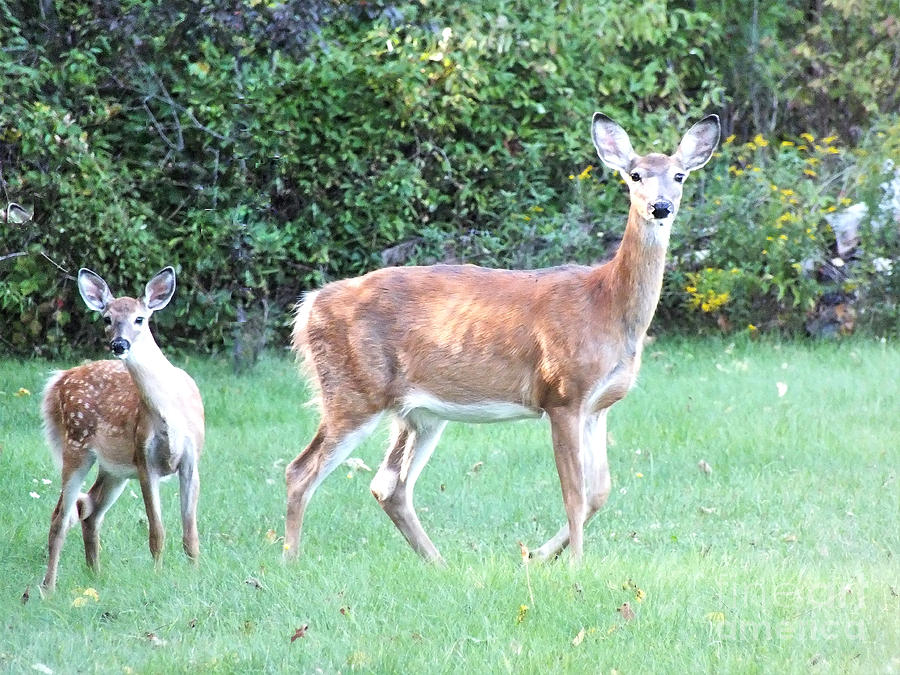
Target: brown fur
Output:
{"points": [[427, 344], [137, 417]]}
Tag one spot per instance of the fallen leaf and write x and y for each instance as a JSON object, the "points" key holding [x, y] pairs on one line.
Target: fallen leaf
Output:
{"points": [[22, 392], [356, 464], [578, 639], [782, 388], [626, 611], [300, 632], [704, 466], [789, 538], [41, 668], [252, 581], [155, 640], [716, 617], [345, 611], [271, 536], [523, 549], [476, 467], [25, 595], [708, 510]]}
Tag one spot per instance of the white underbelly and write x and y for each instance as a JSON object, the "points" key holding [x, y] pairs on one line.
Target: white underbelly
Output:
{"points": [[482, 411]]}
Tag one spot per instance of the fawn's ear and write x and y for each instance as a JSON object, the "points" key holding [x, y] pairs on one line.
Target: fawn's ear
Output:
{"points": [[93, 289], [612, 143], [698, 143], [160, 289]]}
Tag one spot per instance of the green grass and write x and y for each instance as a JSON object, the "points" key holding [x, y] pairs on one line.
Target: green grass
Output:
{"points": [[783, 559]]}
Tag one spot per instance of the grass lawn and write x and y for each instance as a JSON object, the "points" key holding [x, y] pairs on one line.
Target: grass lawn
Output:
{"points": [[784, 558]]}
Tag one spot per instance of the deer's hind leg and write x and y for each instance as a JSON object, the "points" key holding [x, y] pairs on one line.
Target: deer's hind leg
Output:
{"points": [[92, 507], [335, 439], [412, 443], [73, 474]]}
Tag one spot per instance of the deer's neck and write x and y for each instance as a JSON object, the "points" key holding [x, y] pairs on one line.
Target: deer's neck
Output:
{"points": [[156, 378], [637, 272]]}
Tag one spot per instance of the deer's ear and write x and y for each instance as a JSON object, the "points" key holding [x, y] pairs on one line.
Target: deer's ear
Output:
{"points": [[160, 289], [93, 289], [698, 144], [612, 143]]}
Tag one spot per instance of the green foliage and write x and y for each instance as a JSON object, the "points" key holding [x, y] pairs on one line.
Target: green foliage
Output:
{"points": [[262, 148], [757, 252]]}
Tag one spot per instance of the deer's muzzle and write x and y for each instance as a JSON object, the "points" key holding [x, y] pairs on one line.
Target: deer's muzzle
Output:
{"points": [[119, 346]]}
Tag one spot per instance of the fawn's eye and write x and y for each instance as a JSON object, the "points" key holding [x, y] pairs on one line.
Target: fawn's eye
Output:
{"points": [[107, 320], [635, 176], [679, 177], [139, 320]]}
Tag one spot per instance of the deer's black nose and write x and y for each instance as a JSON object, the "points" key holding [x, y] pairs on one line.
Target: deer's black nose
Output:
{"points": [[119, 346], [662, 208]]}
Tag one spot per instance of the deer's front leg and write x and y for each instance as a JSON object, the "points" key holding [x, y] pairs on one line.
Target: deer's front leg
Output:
{"points": [[149, 480], [566, 427], [189, 482]]}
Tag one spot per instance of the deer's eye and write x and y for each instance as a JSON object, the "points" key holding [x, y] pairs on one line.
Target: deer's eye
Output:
{"points": [[139, 320], [679, 177], [635, 176], [107, 320]]}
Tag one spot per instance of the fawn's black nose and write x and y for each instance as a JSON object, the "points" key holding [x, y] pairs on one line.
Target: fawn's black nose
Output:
{"points": [[119, 346], [662, 209]]}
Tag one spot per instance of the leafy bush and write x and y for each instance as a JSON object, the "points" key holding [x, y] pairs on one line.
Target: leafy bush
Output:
{"points": [[264, 148], [757, 251]]}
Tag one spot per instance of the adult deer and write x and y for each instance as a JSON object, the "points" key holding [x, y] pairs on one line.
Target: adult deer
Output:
{"points": [[138, 416], [464, 343]]}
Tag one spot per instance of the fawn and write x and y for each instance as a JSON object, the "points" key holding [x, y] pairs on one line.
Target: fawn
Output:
{"points": [[137, 416]]}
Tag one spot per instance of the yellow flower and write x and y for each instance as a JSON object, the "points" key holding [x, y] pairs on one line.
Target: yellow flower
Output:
{"points": [[809, 172], [787, 144], [760, 141], [831, 209], [586, 173], [787, 192], [845, 201], [783, 237], [571, 176], [690, 289], [770, 238], [750, 146], [638, 475], [751, 327], [729, 140], [523, 610], [808, 137], [833, 150], [829, 140]]}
